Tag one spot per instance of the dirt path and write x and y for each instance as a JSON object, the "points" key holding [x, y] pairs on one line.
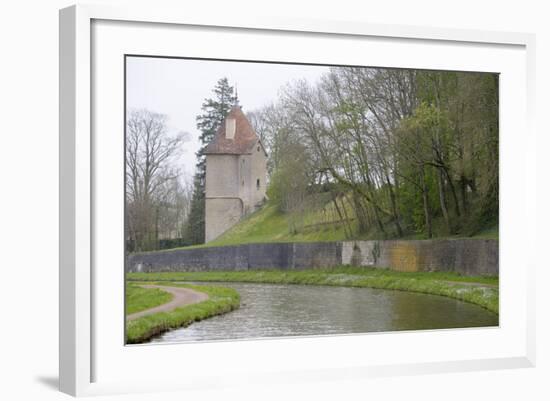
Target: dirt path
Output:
{"points": [[182, 296]]}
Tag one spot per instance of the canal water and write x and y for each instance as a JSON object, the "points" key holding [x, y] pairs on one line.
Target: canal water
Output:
{"points": [[272, 310]]}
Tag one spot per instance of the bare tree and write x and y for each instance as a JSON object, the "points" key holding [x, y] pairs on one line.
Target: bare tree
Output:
{"points": [[150, 169]]}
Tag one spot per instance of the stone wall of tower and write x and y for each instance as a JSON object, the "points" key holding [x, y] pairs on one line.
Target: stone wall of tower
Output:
{"points": [[258, 176], [223, 203], [220, 215], [244, 182], [252, 179], [222, 176], [235, 186]]}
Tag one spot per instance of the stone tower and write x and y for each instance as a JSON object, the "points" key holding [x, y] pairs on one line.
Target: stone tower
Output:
{"points": [[235, 174]]}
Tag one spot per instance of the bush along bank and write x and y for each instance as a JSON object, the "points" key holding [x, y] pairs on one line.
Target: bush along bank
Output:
{"points": [[220, 300]]}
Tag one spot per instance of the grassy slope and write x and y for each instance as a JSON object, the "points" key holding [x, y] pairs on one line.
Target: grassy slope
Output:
{"points": [[270, 225], [490, 233], [138, 298], [221, 300], [482, 291]]}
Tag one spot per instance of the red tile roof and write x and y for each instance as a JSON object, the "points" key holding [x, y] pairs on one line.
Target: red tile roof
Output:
{"points": [[243, 142]]}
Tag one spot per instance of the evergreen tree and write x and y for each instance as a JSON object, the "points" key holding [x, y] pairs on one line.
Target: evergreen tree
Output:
{"points": [[214, 111]]}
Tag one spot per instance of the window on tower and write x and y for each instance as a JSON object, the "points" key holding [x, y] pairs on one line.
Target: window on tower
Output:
{"points": [[258, 183]]}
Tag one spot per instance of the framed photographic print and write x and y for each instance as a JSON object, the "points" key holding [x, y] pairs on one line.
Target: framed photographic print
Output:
{"points": [[279, 200]]}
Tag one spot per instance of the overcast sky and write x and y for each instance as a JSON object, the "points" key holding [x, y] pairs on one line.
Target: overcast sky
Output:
{"points": [[178, 87]]}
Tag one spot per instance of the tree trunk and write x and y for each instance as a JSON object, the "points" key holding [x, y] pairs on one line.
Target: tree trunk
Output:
{"points": [[335, 201], [394, 208], [425, 201], [453, 192], [463, 184], [443, 202]]}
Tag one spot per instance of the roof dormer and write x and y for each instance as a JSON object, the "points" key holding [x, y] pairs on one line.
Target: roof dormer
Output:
{"points": [[230, 128], [235, 136]]}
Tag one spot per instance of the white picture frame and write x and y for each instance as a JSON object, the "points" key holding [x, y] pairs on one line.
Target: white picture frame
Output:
{"points": [[84, 321]]}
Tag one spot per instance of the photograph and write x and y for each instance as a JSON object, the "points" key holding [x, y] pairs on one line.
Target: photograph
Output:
{"points": [[292, 200], [270, 199]]}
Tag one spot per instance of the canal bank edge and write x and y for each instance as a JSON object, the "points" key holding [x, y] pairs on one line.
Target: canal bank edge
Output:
{"points": [[220, 300], [274, 310], [483, 291], [463, 256]]}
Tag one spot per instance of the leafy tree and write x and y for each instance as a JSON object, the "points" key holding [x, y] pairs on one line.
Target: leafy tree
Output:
{"points": [[401, 151]]}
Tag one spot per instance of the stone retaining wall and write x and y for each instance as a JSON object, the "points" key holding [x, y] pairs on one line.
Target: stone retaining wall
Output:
{"points": [[464, 256]]}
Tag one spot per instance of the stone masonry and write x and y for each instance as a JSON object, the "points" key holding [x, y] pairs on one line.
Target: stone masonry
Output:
{"points": [[235, 174], [464, 256]]}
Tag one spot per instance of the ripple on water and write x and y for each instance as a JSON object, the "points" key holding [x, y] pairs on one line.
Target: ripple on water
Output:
{"points": [[274, 310]]}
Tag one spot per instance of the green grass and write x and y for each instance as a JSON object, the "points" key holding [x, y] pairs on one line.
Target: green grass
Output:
{"points": [[139, 298], [490, 233], [318, 224], [268, 225], [482, 291], [221, 300]]}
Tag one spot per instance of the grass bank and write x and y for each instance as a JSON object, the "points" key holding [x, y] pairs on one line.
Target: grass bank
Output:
{"points": [[221, 300], [482, 291], [139, 299], [268, 225]]}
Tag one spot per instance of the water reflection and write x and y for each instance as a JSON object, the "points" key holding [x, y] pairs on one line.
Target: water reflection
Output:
{"points": [[271, 310]]}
